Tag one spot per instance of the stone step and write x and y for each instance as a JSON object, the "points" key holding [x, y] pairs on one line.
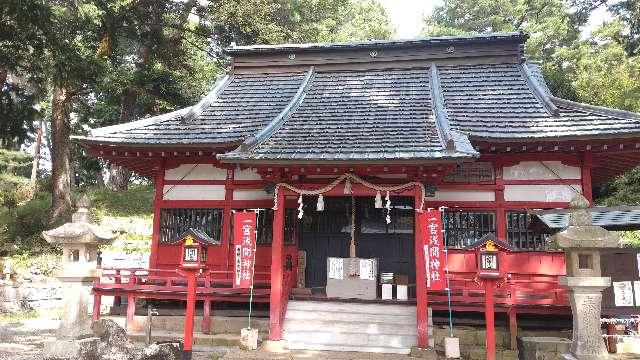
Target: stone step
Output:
{"points": [[355, 327], [219, 324], [199, 339], [355, 308], [348, 348], [350, 339], [346, 316]]}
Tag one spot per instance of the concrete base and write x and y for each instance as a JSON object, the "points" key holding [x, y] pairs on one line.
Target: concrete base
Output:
{"points": [[534, 348], [426, 353], [249, 339], [85, 349], [451, 347], [274, 346]]}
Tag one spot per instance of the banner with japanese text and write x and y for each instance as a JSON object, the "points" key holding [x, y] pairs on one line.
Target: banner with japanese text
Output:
{"points": [[433, 252], [244, 235]]}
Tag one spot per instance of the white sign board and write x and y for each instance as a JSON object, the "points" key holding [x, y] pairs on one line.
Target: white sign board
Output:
{"points": [[367, 269], [336, 268], [623, 293]]}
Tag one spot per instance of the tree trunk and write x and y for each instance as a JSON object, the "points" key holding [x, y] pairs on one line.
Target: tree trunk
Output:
{"points": [[60, 152], [36, 159], [99, 177], [118, 176]]}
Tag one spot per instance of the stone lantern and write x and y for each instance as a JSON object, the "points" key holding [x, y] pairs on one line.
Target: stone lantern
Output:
{"points": [[79, 240], [582, 241]]}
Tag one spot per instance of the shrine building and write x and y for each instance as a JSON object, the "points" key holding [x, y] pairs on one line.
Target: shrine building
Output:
{"points": [[346, 146]]}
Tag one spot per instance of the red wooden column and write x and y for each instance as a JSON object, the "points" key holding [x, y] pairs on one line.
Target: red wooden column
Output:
{"points": [[155, 238], [501, 216], [277, 253], [489, 285], [421, 281], [587, 163]]}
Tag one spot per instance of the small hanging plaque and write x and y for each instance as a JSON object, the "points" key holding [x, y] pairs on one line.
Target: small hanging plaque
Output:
{"points": [[367, 269], [336, 269]]}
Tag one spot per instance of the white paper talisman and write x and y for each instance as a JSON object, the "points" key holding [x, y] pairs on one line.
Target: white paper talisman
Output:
{"points": [[623, 293], [335, 268], [367, 269]]}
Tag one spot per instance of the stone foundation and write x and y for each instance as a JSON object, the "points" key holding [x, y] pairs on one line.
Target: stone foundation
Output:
{"points": [[30, 296], [542, 348]]}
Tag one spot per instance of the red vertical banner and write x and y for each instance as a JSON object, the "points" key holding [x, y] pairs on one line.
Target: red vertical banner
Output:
{"points": [[434, 252], [244, 235]]}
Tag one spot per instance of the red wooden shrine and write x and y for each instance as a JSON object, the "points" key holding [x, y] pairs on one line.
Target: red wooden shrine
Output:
{"points": [[466, 118]]}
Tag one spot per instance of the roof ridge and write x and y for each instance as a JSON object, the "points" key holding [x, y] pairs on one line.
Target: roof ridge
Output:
{"points": [[537, 90], [439, 111], [217, 88], [135, 124], [600, 110], [493, 36], [275, 124]]}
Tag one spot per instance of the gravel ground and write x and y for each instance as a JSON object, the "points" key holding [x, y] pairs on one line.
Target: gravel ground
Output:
{"points": [[24, 341]]}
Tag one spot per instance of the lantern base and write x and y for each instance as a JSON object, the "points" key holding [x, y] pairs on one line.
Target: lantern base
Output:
{"points": [[186, 354]]}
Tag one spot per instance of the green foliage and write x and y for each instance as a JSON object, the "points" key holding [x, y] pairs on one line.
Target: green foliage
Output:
{"points": [[630, 238], [46, 263], [14, 186], [135, 202], [22, 225], [296, 21], [18, 115], [624, 190]]}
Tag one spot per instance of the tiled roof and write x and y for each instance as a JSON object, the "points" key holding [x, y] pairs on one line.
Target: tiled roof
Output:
{"points": [[358, 115], [496, 102], [243, 106], [613, 218]]}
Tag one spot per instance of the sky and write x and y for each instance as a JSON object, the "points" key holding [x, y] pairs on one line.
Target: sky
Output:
{"points": [[407, 15]]}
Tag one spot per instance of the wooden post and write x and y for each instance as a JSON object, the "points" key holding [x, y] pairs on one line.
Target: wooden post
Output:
{"points": [[513, 327], [155, 236], [97, 301], [131, 311], [489, 318], [501, 215], [277, 250], [421, 273], [585, 174], [206, 317], [188, 321]]}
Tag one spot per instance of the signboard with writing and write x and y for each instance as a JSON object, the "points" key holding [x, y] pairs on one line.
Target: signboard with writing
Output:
{"points": [[433, 252], [244, 233], [336, 268]]}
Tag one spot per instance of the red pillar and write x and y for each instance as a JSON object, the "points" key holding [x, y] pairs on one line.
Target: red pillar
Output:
{"points": [[501, 216], [421, 280], [277, 250], [489, 317], [131, 311], [587, 163], [155, 237], [206, 317], [188, 321], [97, 300]]}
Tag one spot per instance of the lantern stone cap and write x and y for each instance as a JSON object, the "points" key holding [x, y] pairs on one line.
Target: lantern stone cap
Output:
{"points": [[192, 235], [585, 281], [80, 230], [581, 233], [489, 243]]}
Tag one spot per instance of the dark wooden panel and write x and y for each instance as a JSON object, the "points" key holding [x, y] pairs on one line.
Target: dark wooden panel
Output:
{"points": [[620, 265]]}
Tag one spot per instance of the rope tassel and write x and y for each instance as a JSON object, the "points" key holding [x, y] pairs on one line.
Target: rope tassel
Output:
{"points": [[320, 205], [378, 200], [388, 207], [300, 211]]}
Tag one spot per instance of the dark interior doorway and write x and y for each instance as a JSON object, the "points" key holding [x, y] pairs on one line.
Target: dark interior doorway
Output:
{"points": [[328, 233]]}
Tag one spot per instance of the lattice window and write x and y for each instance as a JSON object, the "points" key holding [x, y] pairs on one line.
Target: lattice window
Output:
{"points": [[462, 228], [265, 227], [471, 173], [520, 236], [173, 222]]}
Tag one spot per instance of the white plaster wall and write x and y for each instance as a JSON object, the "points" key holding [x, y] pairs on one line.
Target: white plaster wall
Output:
{"points": [[546, 193], [246, 174], [463, 195], [251, 195], [200, 172], [193, 192], [535, 170]]}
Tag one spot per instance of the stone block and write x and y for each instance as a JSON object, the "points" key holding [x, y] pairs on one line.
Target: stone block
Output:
{"points": [[451, 347], [428, 353], [85, 349], [541, 348], [467, 336], [249, 339]]}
